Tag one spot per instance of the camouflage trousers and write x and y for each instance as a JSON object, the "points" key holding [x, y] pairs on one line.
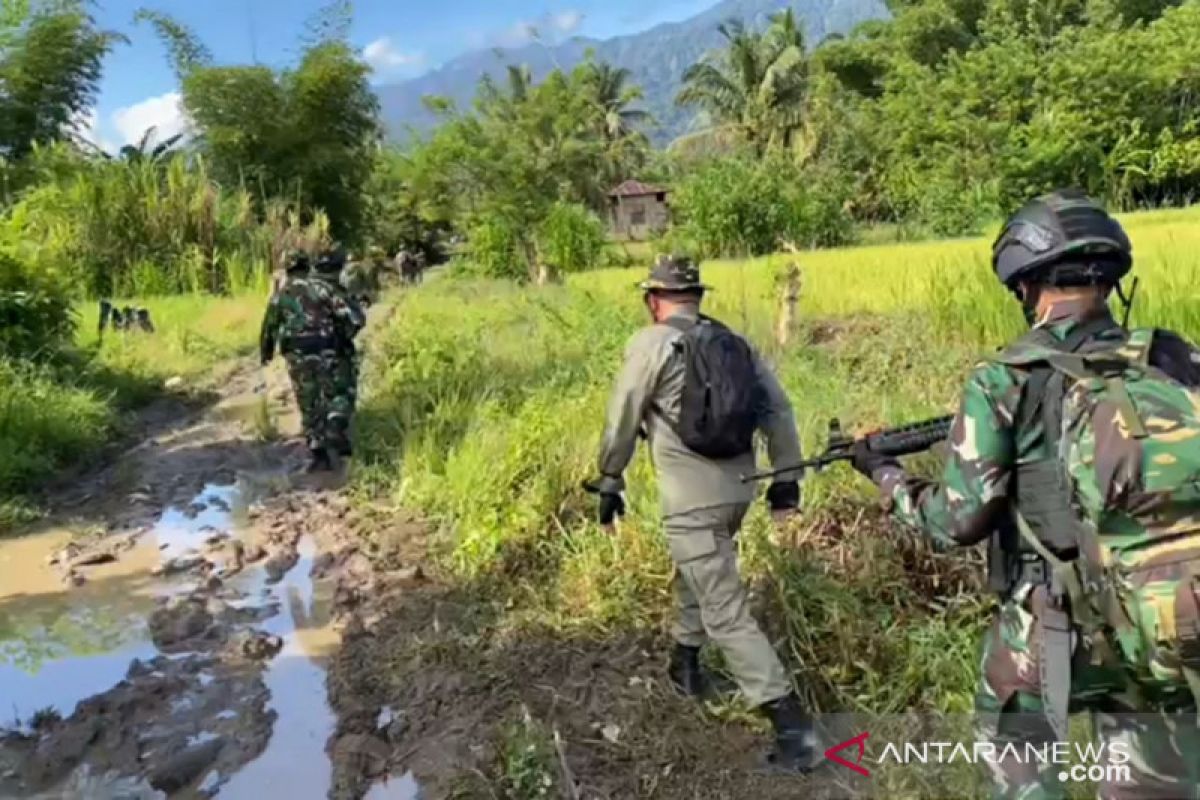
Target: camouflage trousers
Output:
{"points": [[326, 386], [1155, 725]]}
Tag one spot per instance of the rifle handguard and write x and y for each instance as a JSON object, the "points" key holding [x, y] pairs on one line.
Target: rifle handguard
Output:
{"points": [[912, 438]]}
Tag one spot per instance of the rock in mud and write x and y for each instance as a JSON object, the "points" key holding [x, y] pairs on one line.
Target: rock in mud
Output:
{"points": [[369, 753], [279, 563], [181, 769], [92, 558], [234, 560], [180, 564], [178, 621], [256, 645]]}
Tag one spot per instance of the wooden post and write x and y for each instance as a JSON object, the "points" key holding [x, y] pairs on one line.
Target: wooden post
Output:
{"points": [[789, 285]]}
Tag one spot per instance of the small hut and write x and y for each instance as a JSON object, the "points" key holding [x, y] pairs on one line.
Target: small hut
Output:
{"points": [[638, 210]]}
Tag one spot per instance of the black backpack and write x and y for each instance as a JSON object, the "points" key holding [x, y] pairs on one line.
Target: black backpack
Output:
{"points": [[722, 399]]}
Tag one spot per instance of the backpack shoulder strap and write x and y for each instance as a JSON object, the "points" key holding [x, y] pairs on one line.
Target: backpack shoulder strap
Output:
{"points": [[681, 324], [1138, 346], [1047, 360]]}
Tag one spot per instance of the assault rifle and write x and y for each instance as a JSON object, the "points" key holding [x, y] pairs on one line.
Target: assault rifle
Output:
{"points": [[905, 440]]}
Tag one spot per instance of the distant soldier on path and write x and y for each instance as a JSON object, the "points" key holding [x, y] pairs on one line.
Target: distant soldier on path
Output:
{"points": [[699, 392], [314, 326], [361, 281]]}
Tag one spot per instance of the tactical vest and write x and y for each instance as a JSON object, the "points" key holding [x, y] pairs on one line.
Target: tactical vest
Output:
{"points": [[1040, 488]]}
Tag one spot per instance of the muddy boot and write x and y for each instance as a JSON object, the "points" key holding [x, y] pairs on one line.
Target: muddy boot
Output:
{"points": [[795, 736], [318, 460], [686, 673]]}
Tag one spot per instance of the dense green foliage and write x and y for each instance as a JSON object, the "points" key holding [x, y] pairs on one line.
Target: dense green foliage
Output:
{"points": [[51, 56], [148, 226], [522, 151], [307, 133], [739, 206], [35, 316], [955, 112]]}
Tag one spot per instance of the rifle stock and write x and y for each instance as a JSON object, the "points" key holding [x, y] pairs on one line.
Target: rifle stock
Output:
{"points": [[901, 441]]}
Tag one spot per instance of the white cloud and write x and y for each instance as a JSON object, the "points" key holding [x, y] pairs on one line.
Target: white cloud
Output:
{"points": [[384, 56], [566, 22], [548, 27], [164, 113]]}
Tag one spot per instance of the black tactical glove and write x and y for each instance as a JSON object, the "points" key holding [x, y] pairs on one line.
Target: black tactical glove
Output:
{"points": [[611, 507], [784, 495], [868, 461]]}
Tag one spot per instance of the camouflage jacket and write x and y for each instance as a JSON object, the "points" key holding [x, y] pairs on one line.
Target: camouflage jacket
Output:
{"points": [[986, 447], [309, 313]]}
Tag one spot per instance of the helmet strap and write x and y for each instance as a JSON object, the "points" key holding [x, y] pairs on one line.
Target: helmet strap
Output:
{"points": [[1029, 294], [1127, 300]]}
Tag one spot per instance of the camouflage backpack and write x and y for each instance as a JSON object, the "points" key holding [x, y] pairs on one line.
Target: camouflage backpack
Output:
{"points": [[307, 314], [1129, 443]]}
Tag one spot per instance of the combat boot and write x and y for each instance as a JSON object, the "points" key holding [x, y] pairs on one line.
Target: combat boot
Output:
{"points": [[318, 460], [686, 673], [795, 736]]}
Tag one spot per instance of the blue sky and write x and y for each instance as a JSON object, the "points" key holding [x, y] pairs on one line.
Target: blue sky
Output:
{"points": [[400, 38]]}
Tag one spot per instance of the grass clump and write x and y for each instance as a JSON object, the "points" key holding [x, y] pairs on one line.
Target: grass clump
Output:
{"points": [[528, 768]]}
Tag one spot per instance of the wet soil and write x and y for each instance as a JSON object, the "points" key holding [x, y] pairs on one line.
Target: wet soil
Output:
{"points": [[168, 631]]}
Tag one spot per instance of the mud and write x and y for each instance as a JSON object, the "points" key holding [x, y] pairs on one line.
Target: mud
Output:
{"points": [[168, 631]]}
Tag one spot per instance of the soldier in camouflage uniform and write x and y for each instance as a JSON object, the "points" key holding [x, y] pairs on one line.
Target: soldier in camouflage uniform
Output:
{"points": [[1004, 482], [361, 281], [314, 326]]}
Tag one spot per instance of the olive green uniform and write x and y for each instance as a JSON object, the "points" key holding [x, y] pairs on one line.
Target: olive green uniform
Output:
{"points": [[703, 502]]}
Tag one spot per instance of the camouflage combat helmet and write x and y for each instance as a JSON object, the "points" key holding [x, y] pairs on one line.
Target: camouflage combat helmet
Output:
{"points": [[1062, 239], [295, 260], [674, 273]]}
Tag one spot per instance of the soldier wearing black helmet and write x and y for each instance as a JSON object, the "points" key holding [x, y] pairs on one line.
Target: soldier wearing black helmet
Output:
{"points": [[1005, 483], [313, 325]]}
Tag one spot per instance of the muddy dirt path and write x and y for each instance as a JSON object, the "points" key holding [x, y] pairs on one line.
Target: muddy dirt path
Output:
{"points": [[167, 632]]}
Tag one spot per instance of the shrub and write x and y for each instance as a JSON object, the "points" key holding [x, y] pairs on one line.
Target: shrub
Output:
{"points": [[739, 207], [44, 424], [35, 315], [571, 238], [492, 250]]}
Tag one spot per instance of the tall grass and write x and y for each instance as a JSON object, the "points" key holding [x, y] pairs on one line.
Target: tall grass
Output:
{"points": [[150, 226]]}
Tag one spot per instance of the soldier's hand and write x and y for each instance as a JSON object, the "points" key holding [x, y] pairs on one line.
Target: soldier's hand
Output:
{"points": [[783, 498], [868, 461], [611, 507]]}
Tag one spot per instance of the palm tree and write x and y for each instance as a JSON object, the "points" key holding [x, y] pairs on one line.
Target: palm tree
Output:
{"points": [[758, 85], [144, 151], [613, 96], [503, 103]]}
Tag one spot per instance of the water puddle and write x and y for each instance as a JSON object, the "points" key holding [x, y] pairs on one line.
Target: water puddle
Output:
{"points": [[60, 646]]}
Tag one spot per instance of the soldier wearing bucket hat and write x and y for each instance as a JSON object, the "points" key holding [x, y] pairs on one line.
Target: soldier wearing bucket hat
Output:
{"points": [[699, 393]]}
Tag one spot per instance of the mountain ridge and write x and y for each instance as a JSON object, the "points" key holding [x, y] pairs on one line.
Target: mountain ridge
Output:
{"points": [[656, 57]]}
